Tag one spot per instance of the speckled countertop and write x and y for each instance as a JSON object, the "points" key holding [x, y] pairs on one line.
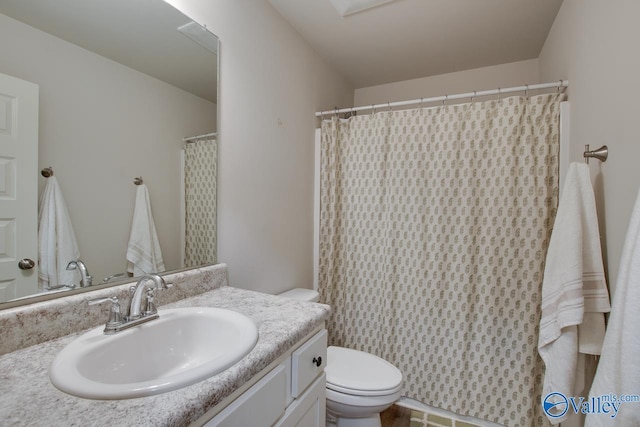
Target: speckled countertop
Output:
{"points": [[27, 398]]}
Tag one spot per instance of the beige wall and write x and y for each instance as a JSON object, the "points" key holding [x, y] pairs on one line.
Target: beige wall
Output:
{"points": [[102, 124], [485, 78], [271, 83], [594, 44]]}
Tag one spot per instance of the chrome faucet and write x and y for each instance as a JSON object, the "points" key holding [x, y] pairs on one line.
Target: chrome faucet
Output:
{"points": [[117, 322], [85, 277], [135, 310]]}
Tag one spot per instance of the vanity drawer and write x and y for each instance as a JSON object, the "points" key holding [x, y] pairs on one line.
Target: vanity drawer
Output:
{"points": [[260, 406], [308, 362]]}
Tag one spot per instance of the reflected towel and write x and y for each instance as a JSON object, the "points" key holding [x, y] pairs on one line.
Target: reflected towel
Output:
{"points": [[573, 287], [619, 371], [57, 244], [143, 252]]}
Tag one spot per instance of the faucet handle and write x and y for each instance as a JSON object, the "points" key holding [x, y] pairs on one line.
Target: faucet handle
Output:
{"points": [[150, 308], [113, 277], [115, 316]]}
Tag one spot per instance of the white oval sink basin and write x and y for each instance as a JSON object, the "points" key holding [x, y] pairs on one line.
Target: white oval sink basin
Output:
{"points": [[181, 347]]}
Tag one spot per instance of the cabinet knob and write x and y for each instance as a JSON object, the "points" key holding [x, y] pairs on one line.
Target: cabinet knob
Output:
{"points": [[317, 361]]}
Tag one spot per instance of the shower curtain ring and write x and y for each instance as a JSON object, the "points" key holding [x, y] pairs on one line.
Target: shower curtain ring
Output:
{"points": [[389, 104], [473, 96], [526, 90], [373, 107]]}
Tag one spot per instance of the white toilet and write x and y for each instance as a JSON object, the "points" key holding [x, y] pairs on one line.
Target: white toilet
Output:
{"points": [[359, 385]]}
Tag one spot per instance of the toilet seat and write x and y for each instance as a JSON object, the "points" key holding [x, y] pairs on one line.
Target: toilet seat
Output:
{"points": [[358, 373]]}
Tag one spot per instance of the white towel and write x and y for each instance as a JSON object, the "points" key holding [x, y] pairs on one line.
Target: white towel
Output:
{"points": [[573, 287], [143, 252], [619, 369], [57, 244]]}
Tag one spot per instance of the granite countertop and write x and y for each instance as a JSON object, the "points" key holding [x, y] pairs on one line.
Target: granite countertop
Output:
{"points": [[27, 398]]}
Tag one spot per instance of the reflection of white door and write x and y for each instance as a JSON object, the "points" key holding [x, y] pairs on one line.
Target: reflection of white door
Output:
{"points": [[18, 187]]}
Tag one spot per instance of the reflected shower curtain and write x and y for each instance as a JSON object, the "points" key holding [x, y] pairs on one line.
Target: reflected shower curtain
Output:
{"points": [[434, 226], [200, 170]]}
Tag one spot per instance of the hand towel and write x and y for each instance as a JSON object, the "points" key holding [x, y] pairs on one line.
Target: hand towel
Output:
{"points": [[619, 371], [143, 251], [57, 244], [573, 286]]}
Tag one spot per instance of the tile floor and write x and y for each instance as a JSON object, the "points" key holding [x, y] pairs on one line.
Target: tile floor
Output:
{"points": [[397, 416]]}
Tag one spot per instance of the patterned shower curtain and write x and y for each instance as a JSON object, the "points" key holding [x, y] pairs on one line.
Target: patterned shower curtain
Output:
{"points": [[200, 170], [433, 236]]}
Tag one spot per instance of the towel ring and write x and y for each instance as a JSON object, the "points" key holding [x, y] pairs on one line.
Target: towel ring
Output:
{"points": [[138, 180]]}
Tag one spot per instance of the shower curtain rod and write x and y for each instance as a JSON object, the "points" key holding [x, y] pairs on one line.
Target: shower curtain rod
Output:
{"points": [[499, 91], [193, 138]]}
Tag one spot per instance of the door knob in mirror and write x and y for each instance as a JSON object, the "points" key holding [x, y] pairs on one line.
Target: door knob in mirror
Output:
{"points": [[26, 264]]}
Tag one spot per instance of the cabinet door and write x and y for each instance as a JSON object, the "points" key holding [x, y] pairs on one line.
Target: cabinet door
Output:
{"points": [[309, 410], [260, 406], [307, 362]]}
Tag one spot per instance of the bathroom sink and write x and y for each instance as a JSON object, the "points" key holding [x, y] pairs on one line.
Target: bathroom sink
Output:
{"points": [[181, 347]]}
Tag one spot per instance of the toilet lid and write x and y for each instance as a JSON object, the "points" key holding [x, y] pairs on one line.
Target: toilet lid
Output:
{"points": [[359, 373]]}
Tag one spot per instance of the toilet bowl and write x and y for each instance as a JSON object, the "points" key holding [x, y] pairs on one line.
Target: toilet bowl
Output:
{"points": [[359, 385]]}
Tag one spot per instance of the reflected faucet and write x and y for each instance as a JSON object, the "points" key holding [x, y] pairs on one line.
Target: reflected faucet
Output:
{"points": [[85, 277], [114, 277]]}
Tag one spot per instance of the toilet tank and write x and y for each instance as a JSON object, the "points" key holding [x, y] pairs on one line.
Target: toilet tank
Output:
{"points": [[302, 294]]}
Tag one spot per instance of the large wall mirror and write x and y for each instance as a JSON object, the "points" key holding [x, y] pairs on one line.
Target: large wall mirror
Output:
{"points": [[124, 90]]}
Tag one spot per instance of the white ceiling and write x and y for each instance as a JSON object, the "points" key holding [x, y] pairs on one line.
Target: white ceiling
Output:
{"points": [[141, 34], [408, 39]]}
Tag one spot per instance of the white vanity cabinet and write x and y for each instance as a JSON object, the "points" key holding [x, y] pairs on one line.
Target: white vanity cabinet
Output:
{"points": [[290, 394]]}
